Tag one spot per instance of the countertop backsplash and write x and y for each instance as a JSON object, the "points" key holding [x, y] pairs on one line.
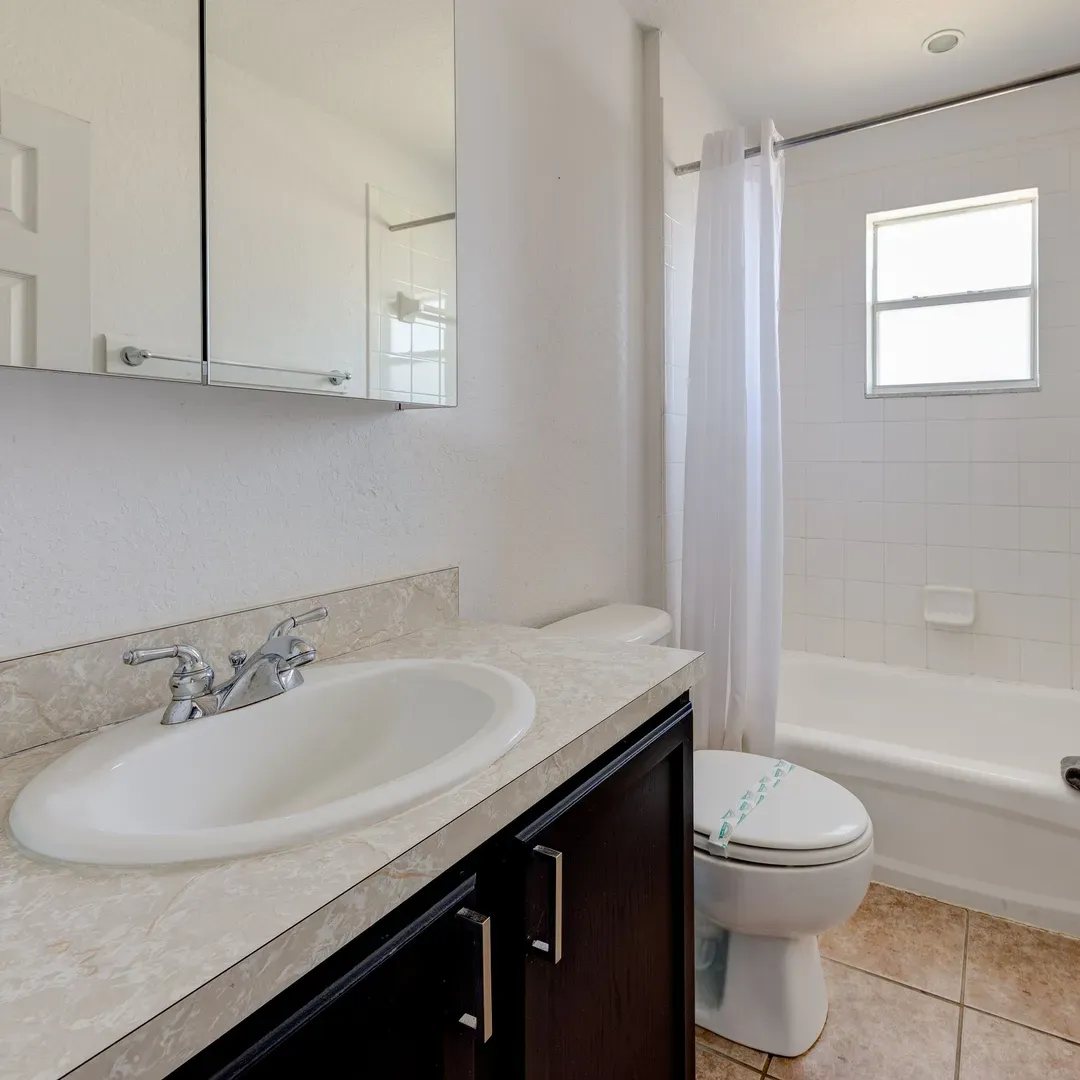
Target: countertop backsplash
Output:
{"points": [[70, 691]]}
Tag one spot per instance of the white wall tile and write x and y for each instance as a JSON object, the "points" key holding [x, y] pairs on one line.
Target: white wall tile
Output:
{"points": [[1044, 528], [864, 521], [995, 526], [905, 564], [824, 636], [795, 556], [948, 566], [861, 442], [904, 605], [948, 524], [864, 601], [863, 481], [824, 597], [1045, 618], [997, 657], [994, 440], [950, 652], [904, 440], [998, 614], [947, 440], [857, 408], [864, 561], [824, 519], [948, 482], [1047, 440], [905, 522], [864, 641], [995, 570], [1044, 573], [904, 483], [1045, 664], [823, 404], [906, 646], [1044, 484], [824, 558], [793, 636], [995, 484]]}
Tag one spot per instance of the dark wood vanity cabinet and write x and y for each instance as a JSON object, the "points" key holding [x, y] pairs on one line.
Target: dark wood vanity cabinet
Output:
{"points": [[560, 950]]}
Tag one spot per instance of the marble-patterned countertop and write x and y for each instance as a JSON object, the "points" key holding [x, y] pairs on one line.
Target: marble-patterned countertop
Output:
{"points": [[127, 973]]}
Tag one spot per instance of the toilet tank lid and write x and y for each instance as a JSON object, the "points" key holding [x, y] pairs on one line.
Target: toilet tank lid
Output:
{"points": [[629, 623]]}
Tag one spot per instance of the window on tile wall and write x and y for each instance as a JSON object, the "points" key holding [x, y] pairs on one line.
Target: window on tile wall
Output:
{"points": [[953, 297]]}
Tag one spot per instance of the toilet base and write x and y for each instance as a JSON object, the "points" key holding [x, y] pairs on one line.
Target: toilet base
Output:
{"points": [[767, 993]]}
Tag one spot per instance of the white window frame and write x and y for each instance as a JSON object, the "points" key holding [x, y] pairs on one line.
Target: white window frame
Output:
{"points": [[874, 306]]}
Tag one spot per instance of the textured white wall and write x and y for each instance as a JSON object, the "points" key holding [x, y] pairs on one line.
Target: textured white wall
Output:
{"points": [[886, 496], [125, 504]]}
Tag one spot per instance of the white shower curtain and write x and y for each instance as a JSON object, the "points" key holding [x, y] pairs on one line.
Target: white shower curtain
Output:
{"points": [[733, 526]]}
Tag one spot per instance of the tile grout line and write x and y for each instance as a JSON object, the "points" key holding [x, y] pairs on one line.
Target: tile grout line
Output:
{"points": [[729, 1057], [1028, 1027], [963, 990], [895, 982]]}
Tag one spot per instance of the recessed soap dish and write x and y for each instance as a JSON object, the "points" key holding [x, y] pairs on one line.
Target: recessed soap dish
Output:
{"points": [[949, 607]]}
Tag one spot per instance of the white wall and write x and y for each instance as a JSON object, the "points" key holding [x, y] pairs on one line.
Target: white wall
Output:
{"points": [[983, 491], [128, 504]]}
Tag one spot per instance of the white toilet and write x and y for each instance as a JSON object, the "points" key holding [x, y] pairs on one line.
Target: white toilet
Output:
{"points": [[781, 855]]}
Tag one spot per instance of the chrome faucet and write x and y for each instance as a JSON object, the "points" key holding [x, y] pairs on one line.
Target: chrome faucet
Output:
{"points": [[273, 669]]}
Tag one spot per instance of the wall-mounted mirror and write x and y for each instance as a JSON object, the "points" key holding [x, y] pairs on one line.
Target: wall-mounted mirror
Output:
{"points": [[100, 222], [331, 197]]}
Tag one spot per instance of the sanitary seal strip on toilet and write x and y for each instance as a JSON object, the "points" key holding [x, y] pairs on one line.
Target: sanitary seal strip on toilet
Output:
{"points": [[748, 802]]}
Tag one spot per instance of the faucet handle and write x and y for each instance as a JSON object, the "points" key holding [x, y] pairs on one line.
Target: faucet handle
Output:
{"points": [[293, 621], [191, 661], [192, 678]]}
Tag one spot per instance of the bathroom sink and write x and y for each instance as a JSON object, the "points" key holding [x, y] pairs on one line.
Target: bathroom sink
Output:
{"points": [[355, 744]]}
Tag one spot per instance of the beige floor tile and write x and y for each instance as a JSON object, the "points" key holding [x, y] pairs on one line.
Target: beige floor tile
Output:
{"points": [[1024, 974], [877, 1031], [902, 936], [726, 1046], [995, 1049], [710, 1066]]}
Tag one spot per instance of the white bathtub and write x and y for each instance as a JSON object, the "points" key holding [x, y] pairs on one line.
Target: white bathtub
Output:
{"points": [[961, 777]]}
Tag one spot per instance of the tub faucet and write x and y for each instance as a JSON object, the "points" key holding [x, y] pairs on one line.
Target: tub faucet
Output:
{"points": [[1070, 771], [273, 669]]}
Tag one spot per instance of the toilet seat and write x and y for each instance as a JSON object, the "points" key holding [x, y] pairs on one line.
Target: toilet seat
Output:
{"points": [[759, 856], [783, 815]]}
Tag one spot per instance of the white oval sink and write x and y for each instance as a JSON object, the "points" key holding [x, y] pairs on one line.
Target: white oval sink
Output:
{"points": [[355, 744]]}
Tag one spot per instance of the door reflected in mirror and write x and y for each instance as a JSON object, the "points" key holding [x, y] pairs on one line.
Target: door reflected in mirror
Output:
{"points": [[331, 197], [100, 219]]}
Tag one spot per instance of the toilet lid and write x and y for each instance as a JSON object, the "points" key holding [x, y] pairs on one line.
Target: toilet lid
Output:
{"points": [[800, 812]]}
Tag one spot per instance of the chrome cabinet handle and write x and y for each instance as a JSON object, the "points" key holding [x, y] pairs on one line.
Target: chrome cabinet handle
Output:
{"points": [[551, 943], [478, 930]]}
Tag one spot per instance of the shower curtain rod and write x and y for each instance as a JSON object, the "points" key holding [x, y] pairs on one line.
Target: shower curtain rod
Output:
{"points": [[903, 114]]}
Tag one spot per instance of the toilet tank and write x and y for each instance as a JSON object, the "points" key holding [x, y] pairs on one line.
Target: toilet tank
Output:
{"points": [[629, 623]]}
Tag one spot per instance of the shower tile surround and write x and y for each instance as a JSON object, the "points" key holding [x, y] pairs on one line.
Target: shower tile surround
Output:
{"points": [[922, 989], [70, 691], [107, 972], [884, 496]]}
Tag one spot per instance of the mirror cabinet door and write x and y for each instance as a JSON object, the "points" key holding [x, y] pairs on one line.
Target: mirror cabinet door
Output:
{"points": [[329, 125], [100, 215]]}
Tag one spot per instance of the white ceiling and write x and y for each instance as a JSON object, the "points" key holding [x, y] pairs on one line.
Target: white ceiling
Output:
{"points": [[814, 63]]}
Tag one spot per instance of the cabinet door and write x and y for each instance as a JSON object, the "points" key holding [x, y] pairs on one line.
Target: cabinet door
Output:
{"points": [[417, 1008], [608, 916]]}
